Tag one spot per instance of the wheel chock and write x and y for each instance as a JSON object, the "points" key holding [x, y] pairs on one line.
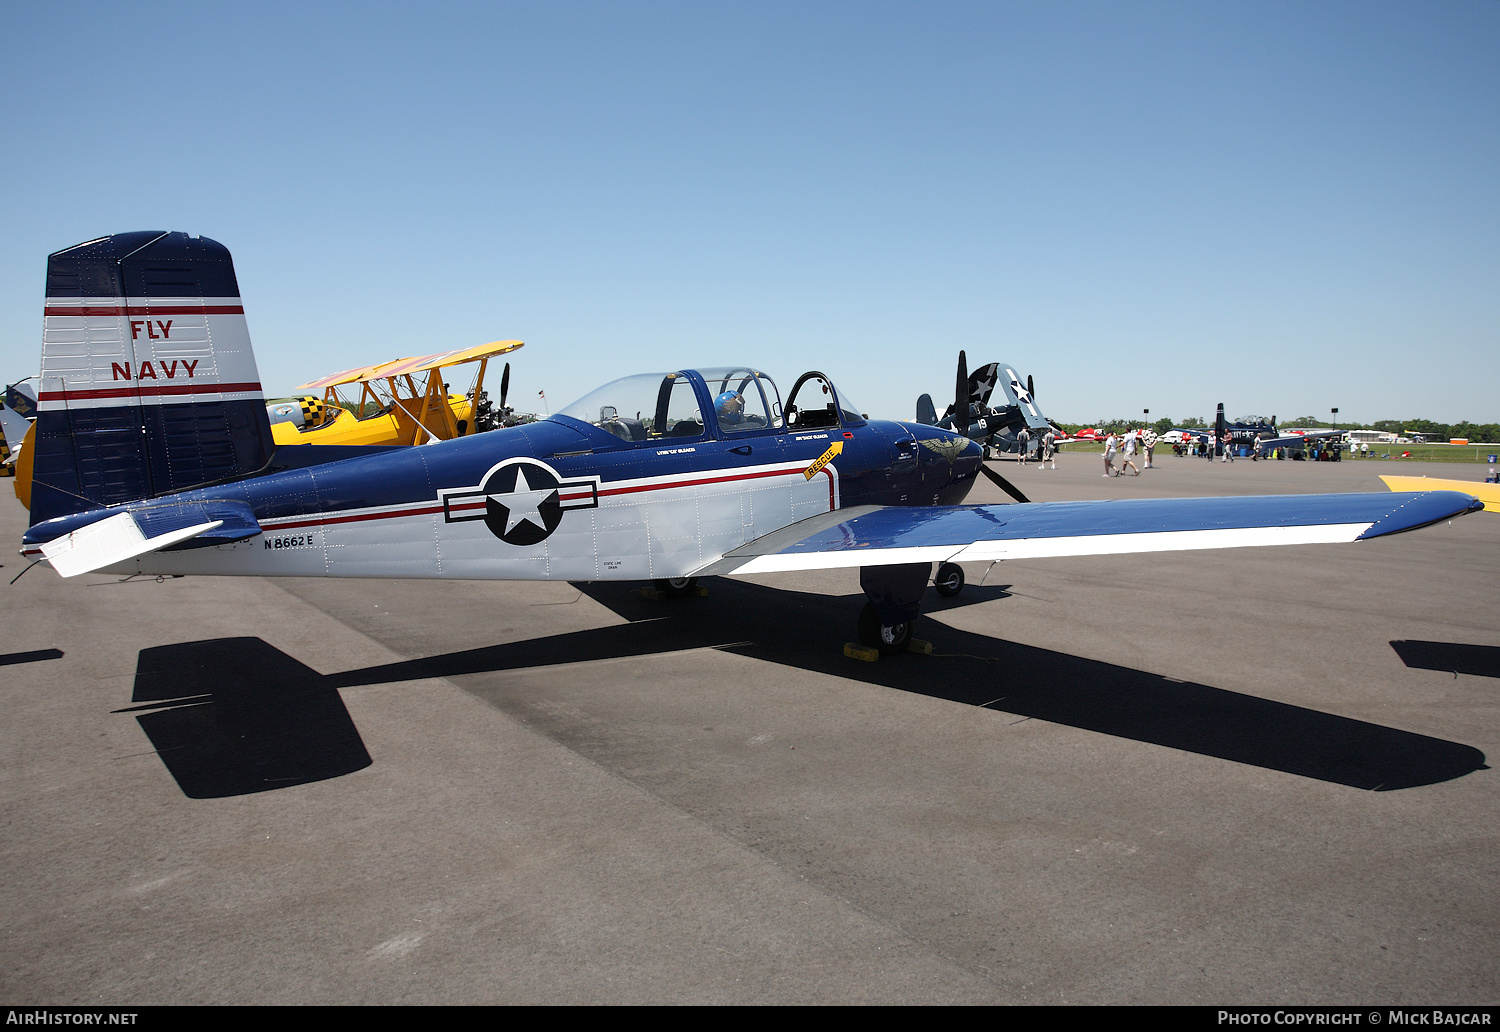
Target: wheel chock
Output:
{"points": [[854, 650], [652, 595], [920, 647]]}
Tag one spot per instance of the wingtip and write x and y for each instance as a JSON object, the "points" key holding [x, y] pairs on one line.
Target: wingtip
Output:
{"points": [[1422, 509]]}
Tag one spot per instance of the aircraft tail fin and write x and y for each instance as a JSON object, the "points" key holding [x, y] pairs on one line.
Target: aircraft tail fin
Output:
{"points": [[149, 384], [982, 384], [926, 410]]}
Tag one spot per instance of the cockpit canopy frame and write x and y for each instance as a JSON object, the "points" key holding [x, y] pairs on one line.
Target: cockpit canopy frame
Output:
{"points": [[657, 408]]}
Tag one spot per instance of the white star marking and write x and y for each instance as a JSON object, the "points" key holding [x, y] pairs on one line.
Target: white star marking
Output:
{"points": [[522, 503]]}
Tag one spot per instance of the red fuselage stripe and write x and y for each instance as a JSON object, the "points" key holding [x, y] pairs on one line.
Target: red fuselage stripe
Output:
{"points": [[150, 390], [432, 510], [603, 492], [109, 310]]}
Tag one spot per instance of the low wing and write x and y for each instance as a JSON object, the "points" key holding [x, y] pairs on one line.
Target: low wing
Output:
{"points": [[85, 542], [882, 536], [1274, 442]]}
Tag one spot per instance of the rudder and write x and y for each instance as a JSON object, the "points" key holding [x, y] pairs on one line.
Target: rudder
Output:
{"points": [[149, 384]]}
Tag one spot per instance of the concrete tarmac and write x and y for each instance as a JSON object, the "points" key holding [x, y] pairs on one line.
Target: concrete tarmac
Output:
{"points": [[1243, 776]]}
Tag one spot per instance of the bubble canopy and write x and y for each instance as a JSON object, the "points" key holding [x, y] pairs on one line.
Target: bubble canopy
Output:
{"points": [[721, 401]]}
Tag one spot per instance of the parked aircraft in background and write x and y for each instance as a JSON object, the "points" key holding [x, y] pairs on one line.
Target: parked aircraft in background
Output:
{"points": [[660, 476], [402, 402], [14, 425], [1254, 432], [999, 427], [17, 416]]}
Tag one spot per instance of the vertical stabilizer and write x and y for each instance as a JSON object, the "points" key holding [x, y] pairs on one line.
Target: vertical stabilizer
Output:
{"points": [[148, 382]]}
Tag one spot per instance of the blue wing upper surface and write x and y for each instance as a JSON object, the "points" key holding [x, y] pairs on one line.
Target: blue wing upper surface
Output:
{"points": [[875, 536]]}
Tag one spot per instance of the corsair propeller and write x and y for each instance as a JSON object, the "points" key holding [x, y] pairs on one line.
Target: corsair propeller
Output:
{"points": [[504, 386], [1003, 484], [961, 397]]}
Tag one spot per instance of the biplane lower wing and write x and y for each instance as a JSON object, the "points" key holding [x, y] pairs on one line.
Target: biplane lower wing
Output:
{"points": [[883, 536]]}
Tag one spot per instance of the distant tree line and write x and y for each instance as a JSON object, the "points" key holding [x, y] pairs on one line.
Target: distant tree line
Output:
{"points": [[1487, 432]]}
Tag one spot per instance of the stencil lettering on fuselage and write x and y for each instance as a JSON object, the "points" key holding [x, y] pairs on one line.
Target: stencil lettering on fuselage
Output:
{"points": [[521, 501]]}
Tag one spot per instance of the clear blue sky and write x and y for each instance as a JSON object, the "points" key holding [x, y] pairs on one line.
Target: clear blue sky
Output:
{"points": [[1281, 206]]}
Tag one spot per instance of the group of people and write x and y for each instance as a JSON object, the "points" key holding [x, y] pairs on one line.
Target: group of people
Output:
{"points": [[1045, 448], [1129, 444]]}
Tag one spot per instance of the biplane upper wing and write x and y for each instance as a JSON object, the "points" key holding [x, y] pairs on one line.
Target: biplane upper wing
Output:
{"points": [[338, 379], [880, 536], [407, 366]]}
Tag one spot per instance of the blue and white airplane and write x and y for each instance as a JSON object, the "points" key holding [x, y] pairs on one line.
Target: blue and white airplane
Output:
{"points": [[153, 455]]}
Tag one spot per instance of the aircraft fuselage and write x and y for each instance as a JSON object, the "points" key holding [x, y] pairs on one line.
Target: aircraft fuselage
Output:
{"points": [[560, 499]]}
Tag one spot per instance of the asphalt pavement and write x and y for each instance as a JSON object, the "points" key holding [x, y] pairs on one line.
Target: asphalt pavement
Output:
{"points": [[1245, 776]]}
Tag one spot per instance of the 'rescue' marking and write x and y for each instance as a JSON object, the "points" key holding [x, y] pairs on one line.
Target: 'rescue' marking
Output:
{"points": [[817, 467]]}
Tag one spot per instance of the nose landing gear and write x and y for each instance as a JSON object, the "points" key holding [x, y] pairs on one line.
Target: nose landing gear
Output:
{"points": [[888, 639]]}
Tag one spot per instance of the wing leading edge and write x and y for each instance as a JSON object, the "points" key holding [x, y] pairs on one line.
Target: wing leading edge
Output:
{"points": [[876, 536]]}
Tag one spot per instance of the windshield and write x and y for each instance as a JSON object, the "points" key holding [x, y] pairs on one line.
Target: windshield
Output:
{"points": [[816, 403], [644, 407]]}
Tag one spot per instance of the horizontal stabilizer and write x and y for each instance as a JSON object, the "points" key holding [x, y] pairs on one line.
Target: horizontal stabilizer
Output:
{"points": [[134, 532], [108, 542], [233, 521], [981, 533]]}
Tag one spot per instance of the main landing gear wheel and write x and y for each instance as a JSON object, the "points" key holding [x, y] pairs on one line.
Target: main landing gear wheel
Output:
{"points": [[949, 580], [888, 638], [677, 587]]}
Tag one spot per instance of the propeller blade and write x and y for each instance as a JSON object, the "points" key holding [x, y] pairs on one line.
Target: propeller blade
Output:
{"points": [[1003, 484], [1030, 389], [504, 384], [961, 397]]}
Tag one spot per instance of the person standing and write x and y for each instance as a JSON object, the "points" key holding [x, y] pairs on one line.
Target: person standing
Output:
{"points": [[1024, 437], [1049, 450], [1110, 443], [1129, 450], [1148, 438]]}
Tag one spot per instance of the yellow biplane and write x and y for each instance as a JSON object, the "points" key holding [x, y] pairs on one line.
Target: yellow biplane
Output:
{"points": [[403, 402]]}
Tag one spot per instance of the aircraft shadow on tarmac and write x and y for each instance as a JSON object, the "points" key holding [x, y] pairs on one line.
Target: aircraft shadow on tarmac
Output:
{"points": [[30, 657], [233, 716], [292, 727], [1453, 657]]}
